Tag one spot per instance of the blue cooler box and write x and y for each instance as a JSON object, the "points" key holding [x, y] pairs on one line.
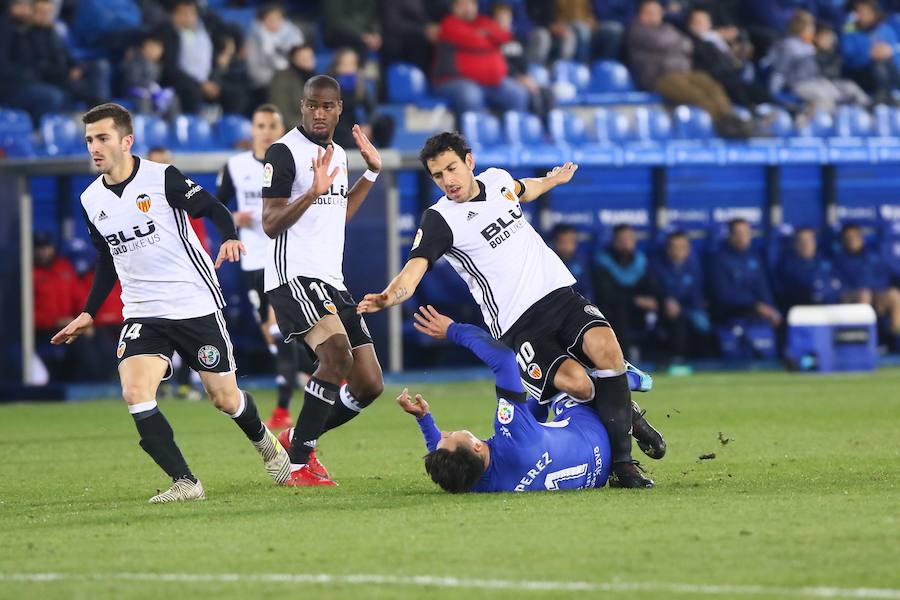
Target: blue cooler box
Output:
{"points": [[839, 337]]}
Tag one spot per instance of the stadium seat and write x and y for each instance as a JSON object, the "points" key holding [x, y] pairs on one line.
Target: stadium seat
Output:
{"points": [[853, 121], [819, 126], [16, 133], [408, 85], [483, 132], [191, 133], [776, 121], [692, 123], [570, 81], [232, 130], [887, 121], [652, 124], [525, 132], [539, 73], [61, 135], [150, 131], [565, 128], [611, 126], [243, 17]]}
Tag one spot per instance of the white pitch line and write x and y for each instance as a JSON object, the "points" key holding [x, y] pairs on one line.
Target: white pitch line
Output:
{"points": [[455, 582]]}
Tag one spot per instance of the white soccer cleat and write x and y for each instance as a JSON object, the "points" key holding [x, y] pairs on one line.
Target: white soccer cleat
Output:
{"points": [[182, 490], [276, 458]]}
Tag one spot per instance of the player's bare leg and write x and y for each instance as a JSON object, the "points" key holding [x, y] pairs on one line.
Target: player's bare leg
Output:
{"points": [[140, 377], [239, 405]]}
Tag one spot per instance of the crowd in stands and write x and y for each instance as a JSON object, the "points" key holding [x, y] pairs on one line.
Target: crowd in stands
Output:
{"points": [[669, 303]]}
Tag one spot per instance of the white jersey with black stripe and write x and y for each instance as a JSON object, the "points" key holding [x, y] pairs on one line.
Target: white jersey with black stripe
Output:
{"points": [[244, 173], [492, 246], [313, 246], [164, 271]]}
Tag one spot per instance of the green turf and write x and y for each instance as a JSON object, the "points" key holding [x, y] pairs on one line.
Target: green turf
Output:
{"points": [[804, 494]]}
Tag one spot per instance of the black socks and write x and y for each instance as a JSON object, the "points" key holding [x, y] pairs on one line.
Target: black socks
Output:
{"points": [[612, 401], [158, 440], [346, 409], [247, 418], [319, 399]]}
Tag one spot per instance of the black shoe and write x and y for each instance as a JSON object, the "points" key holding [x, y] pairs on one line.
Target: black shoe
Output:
{"points": [[649, 440], [629, 475]]}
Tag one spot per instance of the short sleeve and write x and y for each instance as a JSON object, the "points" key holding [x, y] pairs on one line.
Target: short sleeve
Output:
{"points": [[225, 186], [433, 239], [279, 172]]}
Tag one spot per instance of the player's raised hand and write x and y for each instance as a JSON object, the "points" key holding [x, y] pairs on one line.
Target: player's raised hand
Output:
{"points": [[322, 179], [372, 303], [70, 332], [563, 173], [230, 251], [432, 323], [366, 149], [417, 408]]}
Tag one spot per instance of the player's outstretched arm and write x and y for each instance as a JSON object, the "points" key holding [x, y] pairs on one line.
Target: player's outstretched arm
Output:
{"points": [[361, 188], [76, 327], [401, 288], [537, 186], [419, 409]]}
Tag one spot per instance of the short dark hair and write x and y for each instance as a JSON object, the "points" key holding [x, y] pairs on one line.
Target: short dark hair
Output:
{"points": [[263, 11], [678, 233], [155, 149], [455, 471], [617, 229], [735, 222], [110, 110], [562, 229], [268, 107], [442, 142], [176, 3], [321, 82]]}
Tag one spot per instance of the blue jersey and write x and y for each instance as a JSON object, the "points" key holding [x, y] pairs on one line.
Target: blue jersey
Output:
{"points": [[571, 452]]}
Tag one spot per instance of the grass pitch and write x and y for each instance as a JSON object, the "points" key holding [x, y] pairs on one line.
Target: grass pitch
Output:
{"points": [[801, 500]]}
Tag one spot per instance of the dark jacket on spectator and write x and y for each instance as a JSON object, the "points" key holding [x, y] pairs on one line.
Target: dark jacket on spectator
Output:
{"points": [[857, 44], [738, 281], [657, 51], [807, 281], [471, 49], [51, 55], [862, 270], [18, 61], [683, 282]]}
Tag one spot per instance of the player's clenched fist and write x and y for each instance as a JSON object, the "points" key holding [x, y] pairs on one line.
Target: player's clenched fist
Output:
{"points": [[417, 408]]}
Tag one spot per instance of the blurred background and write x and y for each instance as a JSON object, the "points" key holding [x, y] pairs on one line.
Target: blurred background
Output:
{"points": [[737, 158]]}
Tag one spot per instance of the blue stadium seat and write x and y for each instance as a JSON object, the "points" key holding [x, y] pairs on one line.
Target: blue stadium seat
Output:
{"points": [[150, 131], [233, 129], [407, 85], [853, 121], [61, 135], [821, 125], [192, 133], [539, 73], [483, 132], [611, 126], [777, 121], [566, 128], [570, 81], [526, 133], [242, 17], [887, 121], [652, 124], [16, 138], [693, 123]]}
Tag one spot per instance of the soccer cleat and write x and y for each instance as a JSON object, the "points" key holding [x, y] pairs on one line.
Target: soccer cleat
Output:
{"points": [[182, 490], [304, 477], [276, 459], [315, 467], [280, 419], [649, 440], [629, 475], [638, 381]]}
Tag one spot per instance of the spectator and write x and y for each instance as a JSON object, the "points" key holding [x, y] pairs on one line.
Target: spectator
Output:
{"points": [[86, 82], [565, 244], [831, 65], [683, 312], [868, 51], [287, 85], [141, 72], [865, 279], [662, 59], [541, 98], [188, 56], [358, 103], [804, 277], [568, 29], [55, 301], [625, 290], [271, 39], [795, 68], [21, 85], [470, 69], [713, 55], [229, 77], [353, 24], [409, 33], [739, 285]]}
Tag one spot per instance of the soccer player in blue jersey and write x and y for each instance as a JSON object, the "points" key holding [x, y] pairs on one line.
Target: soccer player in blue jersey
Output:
{"points": [[524, 454]]}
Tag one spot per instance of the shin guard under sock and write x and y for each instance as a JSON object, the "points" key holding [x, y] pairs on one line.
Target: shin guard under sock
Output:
{"points": [[158, 440], [319, 398], [612, 401], [247, 418]]}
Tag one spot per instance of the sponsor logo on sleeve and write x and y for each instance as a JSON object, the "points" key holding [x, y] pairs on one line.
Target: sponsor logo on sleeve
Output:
{"points": [[267, 175], [593, 311], [417, 240], [505, 411]]}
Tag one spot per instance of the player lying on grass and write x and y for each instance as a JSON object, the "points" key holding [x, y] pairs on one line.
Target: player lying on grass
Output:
{"points": [[524, 454]]}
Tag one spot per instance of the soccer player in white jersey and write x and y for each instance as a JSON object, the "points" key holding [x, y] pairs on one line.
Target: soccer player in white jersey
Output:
{"points": [[307, 202], [137, 214], [241, 179], [523, 288]]}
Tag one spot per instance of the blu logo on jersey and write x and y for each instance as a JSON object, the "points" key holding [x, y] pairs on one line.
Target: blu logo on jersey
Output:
{"points": [[501, 229], [121, 237]]}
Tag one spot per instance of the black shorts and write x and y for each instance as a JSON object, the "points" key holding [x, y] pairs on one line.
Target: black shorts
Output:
{"points": [[542, 344], [302, 302], [202, 342], [254, 283]]}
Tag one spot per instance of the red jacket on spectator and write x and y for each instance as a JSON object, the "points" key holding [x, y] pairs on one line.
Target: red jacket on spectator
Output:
{"points": [[110, 312], [199, 228], [471, 49], [55, 294]]}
